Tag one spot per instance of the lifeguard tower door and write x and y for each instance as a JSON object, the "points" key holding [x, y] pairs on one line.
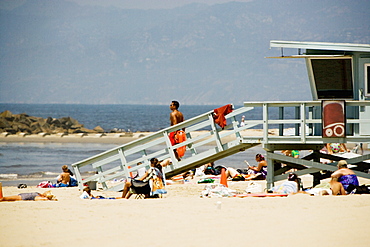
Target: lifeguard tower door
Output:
{"points": [[331, 78]]}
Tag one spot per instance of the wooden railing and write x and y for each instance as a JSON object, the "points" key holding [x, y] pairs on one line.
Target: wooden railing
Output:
{"points": [[306, 123]]}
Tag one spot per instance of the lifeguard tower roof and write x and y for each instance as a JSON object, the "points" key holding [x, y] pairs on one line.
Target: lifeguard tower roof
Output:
{"points": [[335, 70], [321, 46]]}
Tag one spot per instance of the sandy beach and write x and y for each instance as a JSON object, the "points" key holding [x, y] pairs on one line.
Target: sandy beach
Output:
{"points": [[182, 218]]}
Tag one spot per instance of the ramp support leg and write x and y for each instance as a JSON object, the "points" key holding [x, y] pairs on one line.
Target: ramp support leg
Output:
{"points": [[270, 171]]}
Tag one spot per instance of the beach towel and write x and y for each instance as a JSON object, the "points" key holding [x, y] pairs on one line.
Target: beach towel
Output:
{"points": [[45, 184], [219, 116], [217, 190], [260, 195]]}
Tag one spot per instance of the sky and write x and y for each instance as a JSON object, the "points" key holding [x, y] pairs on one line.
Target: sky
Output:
{"points": [[148, 4]]}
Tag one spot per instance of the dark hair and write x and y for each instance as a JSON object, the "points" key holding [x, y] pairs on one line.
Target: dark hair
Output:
{"points": [[88, 190], [70, 172], [260, 156], [209, 171], [156, 163], [292, 176], [176, 104], [153, 161]]}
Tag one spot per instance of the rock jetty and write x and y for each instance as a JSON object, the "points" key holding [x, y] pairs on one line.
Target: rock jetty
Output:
{"points": [[25, 124]]}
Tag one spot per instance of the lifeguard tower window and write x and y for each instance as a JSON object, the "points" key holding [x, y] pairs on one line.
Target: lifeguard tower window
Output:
{"points": [[333, 78]]}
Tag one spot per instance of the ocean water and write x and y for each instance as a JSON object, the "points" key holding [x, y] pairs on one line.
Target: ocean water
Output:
{"points": [[35, 162]]}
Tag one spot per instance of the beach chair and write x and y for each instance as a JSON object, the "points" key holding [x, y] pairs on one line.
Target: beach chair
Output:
{"points": [[140, 189]]}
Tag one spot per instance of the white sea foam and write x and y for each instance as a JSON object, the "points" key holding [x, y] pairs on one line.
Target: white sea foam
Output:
{"points": [[9, 176]]}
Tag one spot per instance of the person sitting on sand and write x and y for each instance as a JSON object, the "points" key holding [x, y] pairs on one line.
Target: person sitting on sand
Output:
{"points": [[337, 187], [33, 196], [64, 178], [291, 186], [154, 172], [86, 194], [260, 171], [345, 176]]}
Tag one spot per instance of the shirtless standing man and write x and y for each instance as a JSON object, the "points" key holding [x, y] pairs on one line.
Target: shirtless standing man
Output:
{"points": [[175, 118]]}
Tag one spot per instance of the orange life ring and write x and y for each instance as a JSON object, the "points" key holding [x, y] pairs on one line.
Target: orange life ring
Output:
{"points": [[180, 137]]}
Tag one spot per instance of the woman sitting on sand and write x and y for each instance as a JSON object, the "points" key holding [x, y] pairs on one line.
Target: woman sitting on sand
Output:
{"points": [[345, 176], [154, 173], [259, 171]]}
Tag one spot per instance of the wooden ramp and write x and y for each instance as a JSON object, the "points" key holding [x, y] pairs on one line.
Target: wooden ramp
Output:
{"points": [[206, 142]]}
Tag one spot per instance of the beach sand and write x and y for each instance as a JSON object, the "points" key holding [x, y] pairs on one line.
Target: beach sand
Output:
{"points": [[182, 218]]}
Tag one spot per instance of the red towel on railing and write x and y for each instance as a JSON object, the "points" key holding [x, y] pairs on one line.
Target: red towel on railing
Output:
{"points": [[220, 113]]}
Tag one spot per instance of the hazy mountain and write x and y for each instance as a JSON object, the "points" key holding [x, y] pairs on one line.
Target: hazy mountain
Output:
{"points": [[59, 52]]}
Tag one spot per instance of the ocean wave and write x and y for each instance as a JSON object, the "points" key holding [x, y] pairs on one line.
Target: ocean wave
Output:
{"points": [[17, 166], [39, 175], [9, 176]]}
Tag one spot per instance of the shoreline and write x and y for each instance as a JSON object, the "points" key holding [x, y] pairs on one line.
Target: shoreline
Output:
{"points": [[113, 138]]}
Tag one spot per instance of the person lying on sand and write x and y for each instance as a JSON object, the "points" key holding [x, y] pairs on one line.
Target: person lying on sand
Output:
{"points": [[33, 196], [291, 186]]}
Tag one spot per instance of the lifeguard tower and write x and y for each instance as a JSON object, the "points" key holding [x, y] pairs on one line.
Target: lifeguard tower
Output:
{"points": [[339, 77]]}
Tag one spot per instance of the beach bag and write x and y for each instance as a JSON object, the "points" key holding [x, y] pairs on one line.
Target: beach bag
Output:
{"points": [[158, 186], [45, 184]]}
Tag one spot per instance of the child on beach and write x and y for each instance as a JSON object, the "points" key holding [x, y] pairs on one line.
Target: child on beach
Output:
{"points": [[64, 178], [86, 193]]}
